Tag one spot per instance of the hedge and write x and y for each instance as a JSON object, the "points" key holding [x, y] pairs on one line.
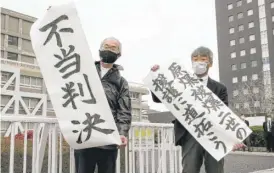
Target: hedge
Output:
{"points": [[257, 138]]}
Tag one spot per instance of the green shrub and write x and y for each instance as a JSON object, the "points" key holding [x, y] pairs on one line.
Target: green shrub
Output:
{"points": [[257, 138]]}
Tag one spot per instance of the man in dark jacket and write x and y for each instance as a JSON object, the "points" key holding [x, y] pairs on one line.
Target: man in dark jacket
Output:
{"points": [[192, 152], [268, 126], [117, 93]]}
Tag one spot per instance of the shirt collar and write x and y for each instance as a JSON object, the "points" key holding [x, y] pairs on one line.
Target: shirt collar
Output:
{"points": [[205, 78]]}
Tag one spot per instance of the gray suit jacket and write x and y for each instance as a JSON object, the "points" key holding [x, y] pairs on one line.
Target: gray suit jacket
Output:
{"points": [[217, 88]]}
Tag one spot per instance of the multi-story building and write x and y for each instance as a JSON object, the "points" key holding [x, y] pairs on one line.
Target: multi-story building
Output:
{"points": [[23, 91], [245, 31]]}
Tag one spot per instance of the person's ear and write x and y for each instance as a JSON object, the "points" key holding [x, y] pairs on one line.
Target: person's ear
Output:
{"points": [[210, 65]]}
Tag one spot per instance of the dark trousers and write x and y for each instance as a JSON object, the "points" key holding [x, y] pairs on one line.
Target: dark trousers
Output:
{"points": [[194, 155], [87, 159], [269, 142]]}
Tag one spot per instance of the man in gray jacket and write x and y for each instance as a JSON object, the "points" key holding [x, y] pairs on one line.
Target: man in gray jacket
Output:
{"points": [[117, 93]]}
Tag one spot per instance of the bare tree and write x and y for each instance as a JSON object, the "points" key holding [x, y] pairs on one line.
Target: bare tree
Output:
{"points": [[254, 96]]}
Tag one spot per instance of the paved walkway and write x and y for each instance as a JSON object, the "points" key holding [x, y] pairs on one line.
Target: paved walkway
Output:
{"points": [[248, 162]]}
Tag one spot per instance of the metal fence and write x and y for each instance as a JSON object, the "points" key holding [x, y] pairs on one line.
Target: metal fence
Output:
{"points": [[42, 149]]}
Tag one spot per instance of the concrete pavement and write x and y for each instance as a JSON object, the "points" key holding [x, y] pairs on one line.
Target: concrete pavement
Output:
{"points": [[248, 162]]}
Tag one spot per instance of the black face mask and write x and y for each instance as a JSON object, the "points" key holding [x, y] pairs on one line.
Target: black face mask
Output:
{"points": [[108, 56]]}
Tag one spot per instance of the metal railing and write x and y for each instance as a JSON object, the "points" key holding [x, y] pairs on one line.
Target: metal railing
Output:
{"points": [[41, 148]]}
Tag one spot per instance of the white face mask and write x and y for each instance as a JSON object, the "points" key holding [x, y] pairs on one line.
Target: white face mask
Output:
{"points": [[199, 67]]}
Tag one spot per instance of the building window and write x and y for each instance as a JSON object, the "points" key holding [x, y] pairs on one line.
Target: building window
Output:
{"points": [[255, 77], [255, 90], [31, 81], [232, 42], [240, 15], [234, 67], [235, 93], [243, 65], [231, 30], [272, 5], [244, 78], [31, 103], [251, 25], [231, 18], [12, 41], [265, 51], [229, 6], [234, 80], [262, 12], [239, 3], [246, 105], [265, 60], [26, 27], [264, 39], [233, 55], [251, 37], [13, 24], [263, 24], [2, 40], [242, 52], [248, 1], [272, 18], [253, 50], [254, 64], [250, 12], [28, 59], [12, 56], [242, 40], [26, 45], [5, 76], [241, 27], [245, 91]]}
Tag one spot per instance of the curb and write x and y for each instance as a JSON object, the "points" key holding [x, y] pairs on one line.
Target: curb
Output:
{"points": [[252, 154], [265, 171]]}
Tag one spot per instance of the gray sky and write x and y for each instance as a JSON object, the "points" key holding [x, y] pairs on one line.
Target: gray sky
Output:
{"points": [[151, 31]]}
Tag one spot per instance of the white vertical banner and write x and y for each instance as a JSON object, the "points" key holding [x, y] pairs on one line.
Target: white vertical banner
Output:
{"points": [[72, 80], [198, 109]]}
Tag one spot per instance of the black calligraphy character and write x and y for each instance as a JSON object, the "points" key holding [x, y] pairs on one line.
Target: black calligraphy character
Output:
{"points": [[231, 124], [239, 135], [70, 95], [175, 69], [160, 82], [187, 80], [53, 31], [191, 114], [199, 93], [224, 117], [171, 93], [213, 138], [74, 59], [218, 143], [92, 99], [212, 104], [202, 127], [91, 123], [182, 103]]}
